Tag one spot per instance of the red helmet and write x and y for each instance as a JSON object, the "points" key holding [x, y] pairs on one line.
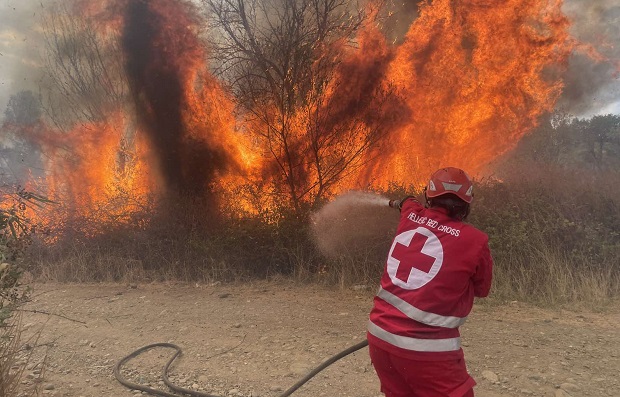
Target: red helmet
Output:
{"points": [[450, 180]]}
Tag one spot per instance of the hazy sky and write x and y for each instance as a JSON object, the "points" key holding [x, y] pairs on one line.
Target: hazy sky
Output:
{"points": [[590, 88]]}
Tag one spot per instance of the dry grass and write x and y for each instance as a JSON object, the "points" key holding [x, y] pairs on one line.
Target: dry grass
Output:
{"points": [[162, 251], [543, 276], [549, 277], [11, 366]]}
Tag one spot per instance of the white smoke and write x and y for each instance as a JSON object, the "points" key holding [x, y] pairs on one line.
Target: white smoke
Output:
{"points": [[21, 45]]}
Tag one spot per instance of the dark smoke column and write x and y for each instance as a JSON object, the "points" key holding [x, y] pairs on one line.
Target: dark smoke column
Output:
{"points": [[162, 50]]}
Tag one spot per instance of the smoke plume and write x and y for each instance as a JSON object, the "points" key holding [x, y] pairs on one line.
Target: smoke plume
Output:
{"points": [[398, 16], [20, 66], [592, 85], [161, 49]]}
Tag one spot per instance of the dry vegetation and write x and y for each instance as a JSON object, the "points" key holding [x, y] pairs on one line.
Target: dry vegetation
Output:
{"points": [[554, 234], [552, 244], [10, 367]]}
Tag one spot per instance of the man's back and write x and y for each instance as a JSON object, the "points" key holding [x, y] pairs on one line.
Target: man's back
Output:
{"points": [[435, 266]]}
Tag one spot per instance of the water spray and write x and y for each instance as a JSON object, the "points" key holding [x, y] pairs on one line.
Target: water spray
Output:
{"points": [[351, 223]]}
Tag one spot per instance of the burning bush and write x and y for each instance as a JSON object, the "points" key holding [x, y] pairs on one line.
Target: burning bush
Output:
{"points": [[177, 151]]}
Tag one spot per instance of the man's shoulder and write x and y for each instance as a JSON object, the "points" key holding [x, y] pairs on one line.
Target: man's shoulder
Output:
{"points": [[411, 201]]}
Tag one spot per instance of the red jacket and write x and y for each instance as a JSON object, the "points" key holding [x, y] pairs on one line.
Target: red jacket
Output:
{"points": [[435, 267]]}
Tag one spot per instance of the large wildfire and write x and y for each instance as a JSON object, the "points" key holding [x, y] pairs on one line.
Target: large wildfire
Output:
{"points": [[466, 82]]}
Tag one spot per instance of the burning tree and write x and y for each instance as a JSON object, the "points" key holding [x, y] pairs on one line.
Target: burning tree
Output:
{"points": [[134, 109], [84, 79], [89, 138], [309, 78], [321, 88], [477, 77]]}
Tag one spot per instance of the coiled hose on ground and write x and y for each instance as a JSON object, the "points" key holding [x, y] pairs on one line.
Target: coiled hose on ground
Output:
{"points": [[178, 389]]}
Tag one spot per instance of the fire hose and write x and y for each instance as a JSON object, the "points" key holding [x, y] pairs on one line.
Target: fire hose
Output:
{"points": [[178, 389]]}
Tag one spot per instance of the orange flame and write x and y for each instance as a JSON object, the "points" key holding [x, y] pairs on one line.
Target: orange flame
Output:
{"points": [[107, 171], [93, 172], [476, 75], [469, 80]]}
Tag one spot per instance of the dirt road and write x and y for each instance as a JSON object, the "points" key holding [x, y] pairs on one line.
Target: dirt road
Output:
{"points": [[278, 331]]}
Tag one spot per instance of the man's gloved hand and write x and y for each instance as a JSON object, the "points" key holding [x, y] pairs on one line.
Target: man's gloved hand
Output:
{"points": [[394, 203], [399, 203]]}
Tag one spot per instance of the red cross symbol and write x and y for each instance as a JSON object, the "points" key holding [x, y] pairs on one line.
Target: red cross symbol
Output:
{"points": [[412, 256]]}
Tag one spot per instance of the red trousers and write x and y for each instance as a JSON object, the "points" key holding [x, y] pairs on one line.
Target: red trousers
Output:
{"points": [[402, 377]]}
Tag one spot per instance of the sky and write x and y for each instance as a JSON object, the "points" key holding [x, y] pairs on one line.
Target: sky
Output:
{"points": [[590, 88]]}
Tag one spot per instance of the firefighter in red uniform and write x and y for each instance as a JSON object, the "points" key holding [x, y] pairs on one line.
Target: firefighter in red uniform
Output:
{"points": [[435, 267]]}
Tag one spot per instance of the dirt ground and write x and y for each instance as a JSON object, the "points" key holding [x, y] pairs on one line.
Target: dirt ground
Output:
{"points": [[259, 339]]}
